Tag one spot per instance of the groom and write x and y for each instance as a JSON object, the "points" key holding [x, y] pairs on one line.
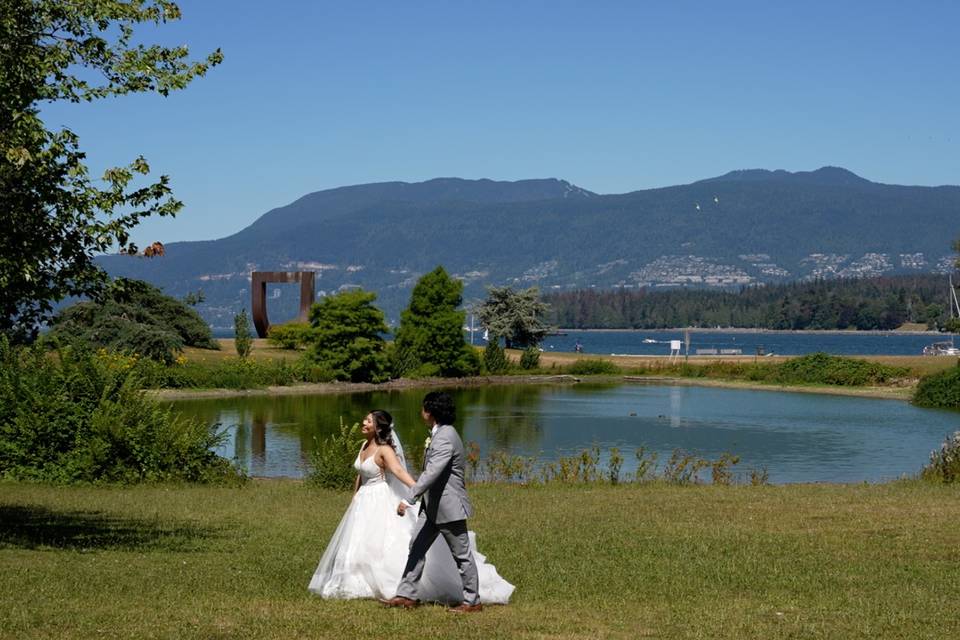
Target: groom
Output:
{"points": [[444, 509]]}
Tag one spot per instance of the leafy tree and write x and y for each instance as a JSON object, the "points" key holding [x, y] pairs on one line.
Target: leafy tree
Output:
{"points": [[517, 316], [348, 337], [242, 339], [430, 338], [56, 218], [135, 317]]}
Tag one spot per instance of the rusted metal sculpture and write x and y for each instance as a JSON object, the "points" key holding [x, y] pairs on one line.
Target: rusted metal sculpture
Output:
{"points": [[258, 286]]}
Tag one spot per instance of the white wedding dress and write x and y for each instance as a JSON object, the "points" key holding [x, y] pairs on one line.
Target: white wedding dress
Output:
{"points": [[368, 551]]}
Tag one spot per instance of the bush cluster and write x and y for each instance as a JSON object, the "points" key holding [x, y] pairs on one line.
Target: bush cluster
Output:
{"points": [[134, 317], [939, 390], [944, 464], [821, 368], [81, 416], [291, 336], [232, 373], [816, 368], [587, 466], [530, 358], [331, 461], [593, 366]]}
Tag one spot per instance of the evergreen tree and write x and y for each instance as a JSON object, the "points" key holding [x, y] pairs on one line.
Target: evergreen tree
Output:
{"points": [[430, 339], [347, 337], [517, 316], [242, 339], [863, 303], [530, 358], [135, 317], [494, 357]]}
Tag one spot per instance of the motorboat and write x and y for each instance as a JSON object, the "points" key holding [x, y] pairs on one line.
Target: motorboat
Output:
{"points": [[946, 348]]}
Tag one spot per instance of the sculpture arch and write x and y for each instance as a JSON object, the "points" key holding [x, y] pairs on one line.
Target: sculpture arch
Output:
{"points": [[258, 291]]}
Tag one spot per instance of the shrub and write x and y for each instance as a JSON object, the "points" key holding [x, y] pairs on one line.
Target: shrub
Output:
{"points": [[494, 357], [292, 335], [530, 359], [646, 464], [503, 466], [944, 464], [939, 390], [683, 467], [82, 417], [134, 317], [332, 458], [720, 468], [614, 463], [232, 373], [821, 368], [593, 366], [759, 477]]}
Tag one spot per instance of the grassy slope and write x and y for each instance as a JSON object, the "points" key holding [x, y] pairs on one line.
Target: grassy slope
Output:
{"points": [[821, 561]]}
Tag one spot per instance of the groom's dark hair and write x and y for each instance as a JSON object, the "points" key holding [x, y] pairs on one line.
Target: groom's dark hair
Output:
{"points": [[440, 405]]}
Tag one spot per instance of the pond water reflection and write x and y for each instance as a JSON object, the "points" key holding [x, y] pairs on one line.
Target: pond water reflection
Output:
{"points": [[797, 437]]}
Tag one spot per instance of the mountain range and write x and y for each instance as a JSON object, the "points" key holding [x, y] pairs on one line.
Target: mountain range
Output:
{"points": [[741, 228]]}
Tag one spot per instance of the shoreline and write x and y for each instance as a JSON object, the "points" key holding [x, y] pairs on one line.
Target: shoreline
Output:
{"points": [[905, 332], [338, 388]]}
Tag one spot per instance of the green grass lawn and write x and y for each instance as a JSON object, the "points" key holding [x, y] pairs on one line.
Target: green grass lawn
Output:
{"points": [[600, 561]]}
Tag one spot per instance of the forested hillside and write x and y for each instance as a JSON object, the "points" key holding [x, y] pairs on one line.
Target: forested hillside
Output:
{"points": [[859, 303], [743, 228]]}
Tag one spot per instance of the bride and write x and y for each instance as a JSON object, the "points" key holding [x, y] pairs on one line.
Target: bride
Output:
{"points": [[368, 551]]}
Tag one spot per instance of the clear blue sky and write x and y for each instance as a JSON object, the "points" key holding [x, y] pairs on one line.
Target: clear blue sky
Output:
{"points": [[612, 96]]}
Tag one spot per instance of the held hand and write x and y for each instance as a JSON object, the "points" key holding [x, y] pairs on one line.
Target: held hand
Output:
{"points": [[401, 508]]}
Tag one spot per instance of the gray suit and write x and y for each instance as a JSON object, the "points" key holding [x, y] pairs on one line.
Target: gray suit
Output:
{"points": [[443, 511]]}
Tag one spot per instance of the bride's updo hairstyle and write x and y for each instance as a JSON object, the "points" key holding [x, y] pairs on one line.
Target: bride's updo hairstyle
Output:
{"points": [[384, 424]]}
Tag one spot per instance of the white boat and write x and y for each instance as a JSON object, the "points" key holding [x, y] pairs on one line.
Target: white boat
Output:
{"points": [[649, 341], [946, 348]]}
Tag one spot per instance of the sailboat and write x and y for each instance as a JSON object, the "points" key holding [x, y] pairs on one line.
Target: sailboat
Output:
{"points": [[946, 347]]}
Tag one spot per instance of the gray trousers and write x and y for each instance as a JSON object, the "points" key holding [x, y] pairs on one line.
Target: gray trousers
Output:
{"points": [[455, 534]]}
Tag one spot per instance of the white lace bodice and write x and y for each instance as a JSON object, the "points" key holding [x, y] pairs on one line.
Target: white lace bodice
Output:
{"points": [[370, 472]]}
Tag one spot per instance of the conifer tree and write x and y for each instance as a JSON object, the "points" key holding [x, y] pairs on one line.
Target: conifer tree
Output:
{"points": [[347, 337], [430, 339]]}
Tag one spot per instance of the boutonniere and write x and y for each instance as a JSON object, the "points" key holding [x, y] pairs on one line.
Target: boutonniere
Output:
{"points": [[426, 443]]}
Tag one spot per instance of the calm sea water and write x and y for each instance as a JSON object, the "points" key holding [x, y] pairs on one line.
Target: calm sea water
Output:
{"points": [[778, 342], [797, 437]]}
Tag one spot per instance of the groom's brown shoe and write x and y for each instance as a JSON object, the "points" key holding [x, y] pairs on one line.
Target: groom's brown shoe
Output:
{"points": [[466, 608], [400, 601]]}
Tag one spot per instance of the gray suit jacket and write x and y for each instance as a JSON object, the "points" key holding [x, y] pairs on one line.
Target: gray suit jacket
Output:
{"points": [[442, 482]]}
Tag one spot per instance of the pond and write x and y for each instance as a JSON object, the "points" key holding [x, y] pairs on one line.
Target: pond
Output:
{"points": [[796, 437]]}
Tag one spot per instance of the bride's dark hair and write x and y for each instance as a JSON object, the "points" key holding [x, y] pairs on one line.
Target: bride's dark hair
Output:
{"points": [[384, 424]]}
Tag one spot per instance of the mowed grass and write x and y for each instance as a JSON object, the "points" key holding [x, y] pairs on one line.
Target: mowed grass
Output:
{"points": [[260, 350], [598, 561]]}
